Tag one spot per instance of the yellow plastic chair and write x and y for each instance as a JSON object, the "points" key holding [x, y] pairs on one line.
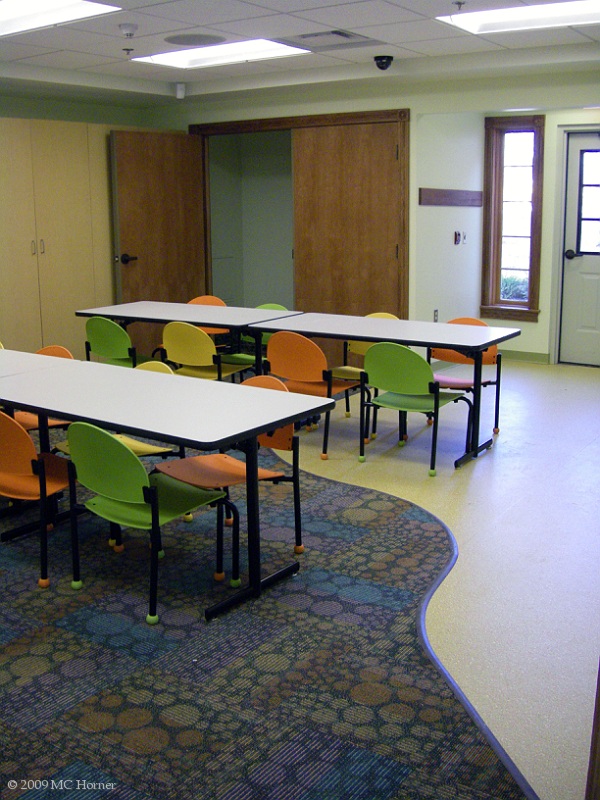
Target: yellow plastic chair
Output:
{"points": [[192, 352], [27, 476], [126, 496], [221, 471], [400, 379], [351, 372], [302, 364], [490, 357], [28, 419], [109, 342]]}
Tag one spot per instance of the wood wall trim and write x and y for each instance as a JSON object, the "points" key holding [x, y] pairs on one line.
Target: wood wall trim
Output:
{"points": [[289, 123], [450, 197]]}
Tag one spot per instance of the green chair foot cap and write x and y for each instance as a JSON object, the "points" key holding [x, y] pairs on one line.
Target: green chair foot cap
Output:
{"points": [[161, 553], [362, 458], [152, 619], [188, 517], [43, 583], [401, 443], [76, 584], [432, 473], [112, 542], [348, 414], [235, 583]]}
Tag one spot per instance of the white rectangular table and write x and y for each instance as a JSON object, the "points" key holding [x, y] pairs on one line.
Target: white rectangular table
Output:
{"points": [[207, 415], [472, 340]]}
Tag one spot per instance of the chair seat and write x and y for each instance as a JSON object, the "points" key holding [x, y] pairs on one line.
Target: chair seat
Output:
{"points": [[410, 402], [27, 486], [448, 382], [213, 471], [209, 373], [173, 496], [347, 373], [31, 422], [319, 389]]}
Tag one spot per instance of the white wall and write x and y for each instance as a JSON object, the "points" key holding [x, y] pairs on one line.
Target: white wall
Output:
{"points": [[447, 153]]}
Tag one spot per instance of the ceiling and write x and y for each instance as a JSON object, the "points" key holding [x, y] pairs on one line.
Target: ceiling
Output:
{"points": [[90, 59]]}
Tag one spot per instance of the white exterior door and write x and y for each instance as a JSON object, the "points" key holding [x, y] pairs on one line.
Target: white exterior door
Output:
{"points": [[580, 314]]}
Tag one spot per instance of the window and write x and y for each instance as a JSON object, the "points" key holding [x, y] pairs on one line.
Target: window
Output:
{"points": [[512, 217], [588, 233]]}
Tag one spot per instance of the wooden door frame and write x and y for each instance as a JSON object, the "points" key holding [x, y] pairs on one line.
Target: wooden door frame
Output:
{"points": [[399, 116]]}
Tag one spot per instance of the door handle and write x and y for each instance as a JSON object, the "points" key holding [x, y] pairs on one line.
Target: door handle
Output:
{"points": [[571, 254], [125, 258]]}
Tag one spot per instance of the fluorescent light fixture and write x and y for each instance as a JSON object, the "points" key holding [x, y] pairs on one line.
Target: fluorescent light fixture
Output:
{"points": [[17, 16], [523, 18], [219, 54]]}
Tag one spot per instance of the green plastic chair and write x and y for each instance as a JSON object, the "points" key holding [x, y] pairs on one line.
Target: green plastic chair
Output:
{"points": [[249, 359], [398, 378], [125, 495], [109, 342]]}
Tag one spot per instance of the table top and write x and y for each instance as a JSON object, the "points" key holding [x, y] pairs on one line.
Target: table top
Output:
{"points": [[154, 311], [405, 331], [172, 408]]}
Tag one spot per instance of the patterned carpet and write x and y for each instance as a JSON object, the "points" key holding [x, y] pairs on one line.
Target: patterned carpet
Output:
{"points": [[319, 690]]}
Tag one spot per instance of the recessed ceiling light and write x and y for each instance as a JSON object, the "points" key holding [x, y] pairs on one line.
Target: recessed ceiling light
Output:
{"points": [[232, 53], [548, 15], [17, 16]]}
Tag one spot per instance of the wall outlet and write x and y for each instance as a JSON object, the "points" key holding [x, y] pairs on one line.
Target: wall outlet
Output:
{"points": [[435, 315]]}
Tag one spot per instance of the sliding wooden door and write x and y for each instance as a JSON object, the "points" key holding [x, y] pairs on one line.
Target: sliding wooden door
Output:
{"points": [[160, 225]]}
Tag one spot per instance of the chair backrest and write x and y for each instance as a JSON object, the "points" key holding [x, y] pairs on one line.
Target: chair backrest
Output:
{"points": [[295, 357], [155, 366], [281, 438], [207, 300], [105, 465], [56, 350], [272, 306], [490, 356], [17, 451], [393, 367], [360, 348], [107, 338], [187, 344]]}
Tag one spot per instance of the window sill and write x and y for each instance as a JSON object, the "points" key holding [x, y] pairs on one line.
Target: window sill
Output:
{"points": [[509, 312]]}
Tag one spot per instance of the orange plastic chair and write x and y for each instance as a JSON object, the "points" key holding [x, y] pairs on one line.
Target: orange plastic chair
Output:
{"points": [[27, 476], [491, 356], [302, 364], [210, 300], [221, 471], [27, 419]]}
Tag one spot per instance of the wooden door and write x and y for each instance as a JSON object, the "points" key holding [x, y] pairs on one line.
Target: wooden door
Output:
{"points": [[159, 215], [349, 227]]}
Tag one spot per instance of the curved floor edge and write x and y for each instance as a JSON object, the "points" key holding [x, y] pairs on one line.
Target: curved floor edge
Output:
{"points": [[469, 708]]}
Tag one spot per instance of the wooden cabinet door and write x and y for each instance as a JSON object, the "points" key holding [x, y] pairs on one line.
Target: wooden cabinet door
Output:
{"points": [[64, 229], [20, 317], [347, 204], [159, 219]]}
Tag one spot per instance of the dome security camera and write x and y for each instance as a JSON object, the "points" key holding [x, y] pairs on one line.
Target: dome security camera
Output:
{"points": [[383, 62]]}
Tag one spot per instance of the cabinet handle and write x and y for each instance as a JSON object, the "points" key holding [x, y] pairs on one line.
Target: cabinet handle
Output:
{"points": [[42, 247], [33, 248]]}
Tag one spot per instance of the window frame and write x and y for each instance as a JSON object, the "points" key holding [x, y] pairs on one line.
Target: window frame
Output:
{"points": [[491, 304]]}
